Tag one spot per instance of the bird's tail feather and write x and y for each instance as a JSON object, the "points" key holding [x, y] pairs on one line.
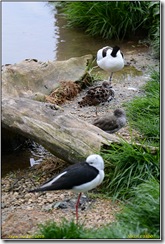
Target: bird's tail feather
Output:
{"points": [[36, 190]]}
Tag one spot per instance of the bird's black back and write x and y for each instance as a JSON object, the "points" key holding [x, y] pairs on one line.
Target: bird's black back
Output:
{"points": [[75, 175]]}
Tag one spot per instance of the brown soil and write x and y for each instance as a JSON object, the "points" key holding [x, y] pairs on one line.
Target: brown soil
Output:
{"points": [[22, 211]]}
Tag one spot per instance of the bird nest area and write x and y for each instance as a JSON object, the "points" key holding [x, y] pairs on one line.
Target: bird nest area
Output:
{"points": [[23, 211], [67, 90]]}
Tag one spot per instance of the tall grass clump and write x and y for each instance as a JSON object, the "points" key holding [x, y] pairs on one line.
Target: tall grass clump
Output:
{"points": [[127, 165], [154, 32], [144, 208], [64, 230], [144, 112], [111, 19], [139, 218]]}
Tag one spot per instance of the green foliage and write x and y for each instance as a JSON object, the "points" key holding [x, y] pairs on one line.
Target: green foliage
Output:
{"points": [[64, 230], [144, 209], [144, 112], [110, 19], [154, 32], [128, 165], [139, 219]]}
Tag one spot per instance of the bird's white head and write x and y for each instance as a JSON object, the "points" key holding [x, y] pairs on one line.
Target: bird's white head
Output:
{"points": [[96, 161]]}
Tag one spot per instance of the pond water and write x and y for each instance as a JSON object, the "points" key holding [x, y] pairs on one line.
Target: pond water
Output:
{"points": [[35, 30], [28, 31]]}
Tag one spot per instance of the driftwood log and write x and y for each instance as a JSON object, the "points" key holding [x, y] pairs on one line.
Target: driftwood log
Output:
{"points": [[25, 85], [65, 136]]}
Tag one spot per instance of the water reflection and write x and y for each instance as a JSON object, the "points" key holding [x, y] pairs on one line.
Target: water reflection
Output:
{"points": [[21, 158], [75, 43], [29, 30], [36, 30]]}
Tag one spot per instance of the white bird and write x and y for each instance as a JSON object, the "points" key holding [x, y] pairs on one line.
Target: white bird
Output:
{"points": [[80, 177], [110, 59]]}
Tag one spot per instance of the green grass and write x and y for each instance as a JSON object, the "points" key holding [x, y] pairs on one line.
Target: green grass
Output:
{"points": [[144, 112], [140, 218], [108, 19], [63, 230], [126, 166], [154, 31]]}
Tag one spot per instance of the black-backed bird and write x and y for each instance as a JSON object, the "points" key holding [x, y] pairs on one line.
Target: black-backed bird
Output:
{"points": [[98, 95], [80, 177], [110, 59], [112, 123]]}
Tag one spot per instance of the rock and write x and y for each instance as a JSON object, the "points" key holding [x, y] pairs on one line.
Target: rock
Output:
{"points": [[47, 207], [30, 79], [3, 205], [61, 205]]}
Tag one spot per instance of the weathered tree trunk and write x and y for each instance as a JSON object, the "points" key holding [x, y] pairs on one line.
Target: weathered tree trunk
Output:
{"points": [[67, 137]]}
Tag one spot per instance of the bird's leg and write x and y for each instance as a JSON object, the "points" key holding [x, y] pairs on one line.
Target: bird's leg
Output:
{"points": [[77, 204], [110, 78], [96, 110], [86, 203]]}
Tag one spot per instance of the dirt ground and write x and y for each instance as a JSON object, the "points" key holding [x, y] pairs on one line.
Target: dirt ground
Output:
{"points": [[23, 211]]}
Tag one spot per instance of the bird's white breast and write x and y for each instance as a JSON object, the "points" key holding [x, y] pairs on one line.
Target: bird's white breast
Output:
{"points": [[90, 185], [109, 63]]}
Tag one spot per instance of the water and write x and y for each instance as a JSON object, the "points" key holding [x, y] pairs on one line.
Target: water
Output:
{"points": [[28, 31], [20, 159], [76, 43], [35, 30]]}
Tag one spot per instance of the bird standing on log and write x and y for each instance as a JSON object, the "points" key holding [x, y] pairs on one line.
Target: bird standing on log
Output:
{"points": [[80, 177], [110, 59]]}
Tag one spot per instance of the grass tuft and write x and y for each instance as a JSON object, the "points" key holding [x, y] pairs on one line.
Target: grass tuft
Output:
{"points": [[108, 19], [139, 219], [126, 166], [144, 112], [63, 230]]}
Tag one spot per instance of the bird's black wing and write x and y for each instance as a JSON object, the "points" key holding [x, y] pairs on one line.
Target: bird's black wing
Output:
{"points": [[74, 175]]}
